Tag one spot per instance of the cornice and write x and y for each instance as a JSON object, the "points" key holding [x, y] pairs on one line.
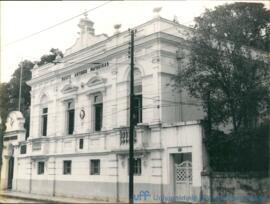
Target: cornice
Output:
{"points": [[124, 34], [109, 54], [74, 154]]}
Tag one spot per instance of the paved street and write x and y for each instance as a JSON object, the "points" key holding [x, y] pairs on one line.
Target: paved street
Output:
{"points": [[19, 197], [16, 200]]}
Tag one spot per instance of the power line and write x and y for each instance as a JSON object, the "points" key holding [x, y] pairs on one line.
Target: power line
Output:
{"points": [[83, 63], [112, 113], [104, 116], [53, 26], [69, 19], [175, 102]]}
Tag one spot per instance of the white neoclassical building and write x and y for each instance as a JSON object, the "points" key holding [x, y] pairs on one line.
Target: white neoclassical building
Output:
{"points": [[78, 143]]}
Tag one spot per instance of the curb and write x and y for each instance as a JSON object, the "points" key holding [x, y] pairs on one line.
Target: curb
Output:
{"points": [[48, 200], [41, 200]]}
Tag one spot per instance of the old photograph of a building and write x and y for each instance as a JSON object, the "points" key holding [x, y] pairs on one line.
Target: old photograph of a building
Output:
{"points": [[156, 112]]}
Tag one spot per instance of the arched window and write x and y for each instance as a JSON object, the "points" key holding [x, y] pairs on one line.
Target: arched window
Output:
{"points": [[138, 96]]}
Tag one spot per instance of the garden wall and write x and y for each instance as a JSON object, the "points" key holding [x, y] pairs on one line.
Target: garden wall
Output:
{"points": [[235, 188]]}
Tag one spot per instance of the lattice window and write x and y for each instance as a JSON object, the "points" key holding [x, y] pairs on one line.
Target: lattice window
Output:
{"points": [[183, 172]]}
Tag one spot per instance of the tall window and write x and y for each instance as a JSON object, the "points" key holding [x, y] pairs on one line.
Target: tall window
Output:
{"points": [[44, 115], [67, 167], [70, 117], [137, 166], [138, 109], [44, 121], [137, 96], [95, 167], [81, 143], [40, 167], [98, 111]]}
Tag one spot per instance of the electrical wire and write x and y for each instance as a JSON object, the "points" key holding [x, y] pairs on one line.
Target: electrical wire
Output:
{"points": [[55, 25], [177, 103], [35, 117], [112, 113]]}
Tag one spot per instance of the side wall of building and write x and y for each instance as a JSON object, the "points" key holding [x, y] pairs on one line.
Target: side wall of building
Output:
{"points": [[155, 147]]}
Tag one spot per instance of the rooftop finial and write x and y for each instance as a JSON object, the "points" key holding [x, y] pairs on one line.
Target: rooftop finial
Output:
{"points": [[156, 11], [175, 19], [86, 25], [36, 66], [117, 27], [58, 57]]}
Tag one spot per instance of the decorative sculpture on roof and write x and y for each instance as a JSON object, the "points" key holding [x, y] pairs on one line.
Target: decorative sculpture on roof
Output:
{"points": [[156, 11]]}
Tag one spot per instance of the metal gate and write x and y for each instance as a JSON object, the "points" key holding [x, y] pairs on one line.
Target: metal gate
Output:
{"points": [[183, 179]]}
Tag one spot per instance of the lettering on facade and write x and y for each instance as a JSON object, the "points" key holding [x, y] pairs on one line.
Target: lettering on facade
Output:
{"points": [[93, 67], [98, 66], [64, 78], [80, 73]]}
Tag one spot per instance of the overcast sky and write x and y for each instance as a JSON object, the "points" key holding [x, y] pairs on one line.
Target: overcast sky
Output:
{"points": [[21, 19]]}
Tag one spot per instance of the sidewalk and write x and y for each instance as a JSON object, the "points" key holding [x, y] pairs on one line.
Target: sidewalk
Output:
{"points": [[47, 198], [58, 199]]}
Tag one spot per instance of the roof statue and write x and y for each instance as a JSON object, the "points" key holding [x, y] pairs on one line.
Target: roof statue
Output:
{"points": [[117, 27], [156, 11], [175, 19]]}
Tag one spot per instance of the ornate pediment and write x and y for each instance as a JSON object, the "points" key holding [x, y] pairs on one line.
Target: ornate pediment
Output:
{"points": [[96, 80], [69, 88]]}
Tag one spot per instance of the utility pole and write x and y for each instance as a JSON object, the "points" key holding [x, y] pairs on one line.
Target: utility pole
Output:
{"points": [[20, 91], [131, 118]]}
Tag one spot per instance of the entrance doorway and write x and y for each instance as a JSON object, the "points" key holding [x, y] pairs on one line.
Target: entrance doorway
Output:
{"points": [[183, 175], [10, 172]]}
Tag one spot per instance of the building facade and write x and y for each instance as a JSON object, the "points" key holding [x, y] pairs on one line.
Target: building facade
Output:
{"points": [[78, 143]]}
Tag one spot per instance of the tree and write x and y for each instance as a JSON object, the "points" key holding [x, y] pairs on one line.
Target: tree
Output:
{"points": [[10, 91], [4, 103], [14, 87], [51, 57], [243, 23], [226, 70]]}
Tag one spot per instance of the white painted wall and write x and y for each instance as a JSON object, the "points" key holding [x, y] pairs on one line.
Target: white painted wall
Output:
{"points": [[157, 139]]}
